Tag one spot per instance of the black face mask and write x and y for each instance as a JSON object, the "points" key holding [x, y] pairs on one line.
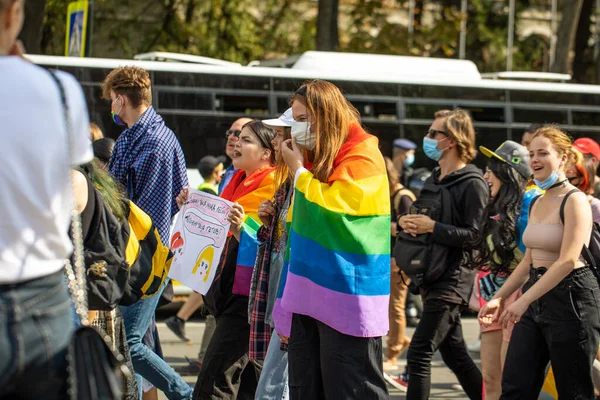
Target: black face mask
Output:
{"points": [[573, 178]]}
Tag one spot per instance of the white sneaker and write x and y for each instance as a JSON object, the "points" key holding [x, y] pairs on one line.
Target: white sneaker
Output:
{"points": [[475, 347]]}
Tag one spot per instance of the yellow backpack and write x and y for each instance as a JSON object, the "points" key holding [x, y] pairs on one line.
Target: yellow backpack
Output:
{"points": [[149, 259]]}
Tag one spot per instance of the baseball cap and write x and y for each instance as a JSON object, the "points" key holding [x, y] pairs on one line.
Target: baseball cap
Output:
{"points": [[208, 164], [513, 154], [587, 146], [284, 119], [405, 144]]}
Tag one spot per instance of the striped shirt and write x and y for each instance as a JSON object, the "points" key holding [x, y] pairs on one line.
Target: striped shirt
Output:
{"points": [[148, 161]]}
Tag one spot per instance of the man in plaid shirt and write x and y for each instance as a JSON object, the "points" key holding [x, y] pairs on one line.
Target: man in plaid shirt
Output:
{"points": [[148, 161]]}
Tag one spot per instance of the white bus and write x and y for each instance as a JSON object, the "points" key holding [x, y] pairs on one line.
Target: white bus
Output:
{"points": [[397, 96]]}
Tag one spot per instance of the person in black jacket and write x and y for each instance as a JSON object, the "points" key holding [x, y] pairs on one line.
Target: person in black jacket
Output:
{"points": [[451, 142]]}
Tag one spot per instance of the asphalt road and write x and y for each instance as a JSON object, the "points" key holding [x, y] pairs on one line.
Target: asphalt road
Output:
{"points": [[443, 380]]}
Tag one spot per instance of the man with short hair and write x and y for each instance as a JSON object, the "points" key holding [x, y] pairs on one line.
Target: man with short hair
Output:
{"points": [[232, 134], [590, 150], [210, 169], [528, 134], [147, 159], [36, 157], [403, 157]]}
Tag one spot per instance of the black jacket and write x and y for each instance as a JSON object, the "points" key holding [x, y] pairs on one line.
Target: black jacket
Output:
{"points": [[469, 198], [219, 299]]}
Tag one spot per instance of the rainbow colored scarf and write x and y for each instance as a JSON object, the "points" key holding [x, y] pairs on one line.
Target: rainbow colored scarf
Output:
{"points": [[249, 192], [339, 245]]}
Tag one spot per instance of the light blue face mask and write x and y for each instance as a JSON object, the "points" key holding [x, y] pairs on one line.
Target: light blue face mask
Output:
{"points": [[430, 148], [548, 182], [410, 159]]}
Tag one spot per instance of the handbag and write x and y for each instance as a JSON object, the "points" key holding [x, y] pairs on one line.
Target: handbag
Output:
{"points": [[95, 372]]}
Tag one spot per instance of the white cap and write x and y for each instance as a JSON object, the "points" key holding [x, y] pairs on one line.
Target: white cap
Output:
{"points": [[284, 119]]}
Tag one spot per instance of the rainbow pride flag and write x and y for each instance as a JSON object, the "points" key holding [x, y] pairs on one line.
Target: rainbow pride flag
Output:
{"points": [[249, 192], [339, 244]]}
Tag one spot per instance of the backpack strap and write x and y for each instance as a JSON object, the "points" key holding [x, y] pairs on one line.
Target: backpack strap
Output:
{"points": [[564, 202]]}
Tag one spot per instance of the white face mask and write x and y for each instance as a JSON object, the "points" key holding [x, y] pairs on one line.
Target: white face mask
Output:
{"points": [[301, 132]]}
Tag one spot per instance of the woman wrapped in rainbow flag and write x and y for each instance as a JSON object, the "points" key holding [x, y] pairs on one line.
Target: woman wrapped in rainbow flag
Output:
{"points": [[334, 291]]}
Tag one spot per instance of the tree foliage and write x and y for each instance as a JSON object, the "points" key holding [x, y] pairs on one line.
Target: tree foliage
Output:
{"points": [[246, 30]]}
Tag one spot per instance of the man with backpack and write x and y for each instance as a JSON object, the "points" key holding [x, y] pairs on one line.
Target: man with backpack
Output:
{"points": [[431, 251], [147, 159]]}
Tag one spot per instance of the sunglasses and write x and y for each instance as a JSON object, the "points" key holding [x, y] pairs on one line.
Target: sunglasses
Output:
{"points": [[234, 132], [432, 132]]}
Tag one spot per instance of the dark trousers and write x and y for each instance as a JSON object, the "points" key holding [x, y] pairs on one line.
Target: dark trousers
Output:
{"points": [[562, 327], [37, 326], [326, 364], [440, 328], [227, 372]]}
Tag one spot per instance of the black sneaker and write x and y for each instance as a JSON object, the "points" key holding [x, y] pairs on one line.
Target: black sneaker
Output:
{"points": [[177, 326]]}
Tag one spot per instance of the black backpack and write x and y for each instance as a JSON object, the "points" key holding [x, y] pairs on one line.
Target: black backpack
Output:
{"points": [[590, 253], [420, 258], [107, 269]]}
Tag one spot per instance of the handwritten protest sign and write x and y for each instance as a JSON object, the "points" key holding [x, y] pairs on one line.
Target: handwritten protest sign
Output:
{"points": [[198, 238]]}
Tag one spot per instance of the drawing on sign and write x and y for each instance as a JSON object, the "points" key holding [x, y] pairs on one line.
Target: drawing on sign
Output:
{"points": [[198, 239]]}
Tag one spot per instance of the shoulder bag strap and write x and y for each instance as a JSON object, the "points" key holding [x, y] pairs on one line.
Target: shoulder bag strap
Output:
{"points": [[76, 277]]}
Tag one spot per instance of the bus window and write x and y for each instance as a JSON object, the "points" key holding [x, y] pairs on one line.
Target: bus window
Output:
{"points": [[586, 118], [540, 116], [552, 97], [287, 86], [450, 92], [255, 105], [367, 88], [199, 135], [171, 100], [424, 111], [485, 114], [191, 80]]}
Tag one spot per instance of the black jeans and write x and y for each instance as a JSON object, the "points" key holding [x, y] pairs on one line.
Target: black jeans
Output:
{"points": [[327, 364], [227, 372], [37, 326], [440, 328], [562, 327]]}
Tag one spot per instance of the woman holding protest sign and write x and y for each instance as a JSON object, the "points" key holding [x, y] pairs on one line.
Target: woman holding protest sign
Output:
{"points": [[226, 368], [333, 298]]}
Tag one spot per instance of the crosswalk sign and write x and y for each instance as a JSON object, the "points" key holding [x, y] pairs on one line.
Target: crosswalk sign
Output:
{"points": [[77, 17]]}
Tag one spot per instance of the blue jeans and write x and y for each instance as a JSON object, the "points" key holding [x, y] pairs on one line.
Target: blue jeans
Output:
{"points": [[37, 327], [146, 363], [273, 383]]}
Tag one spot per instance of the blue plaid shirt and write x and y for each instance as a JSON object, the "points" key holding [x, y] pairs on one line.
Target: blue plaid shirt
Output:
{"points": [[148, 161]]}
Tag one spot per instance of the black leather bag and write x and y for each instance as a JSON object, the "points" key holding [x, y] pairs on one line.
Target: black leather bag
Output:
{"points": [[95, 372]]}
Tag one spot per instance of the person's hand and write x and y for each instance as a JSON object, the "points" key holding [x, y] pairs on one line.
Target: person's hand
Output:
{"points": [[490, 312], [416, 224], [283, 339], [265, 212], [292, 155], [513, 313], [236, 218], [182, 197]]}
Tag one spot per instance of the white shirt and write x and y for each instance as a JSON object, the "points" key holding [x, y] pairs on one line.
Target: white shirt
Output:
{"points": [[35, 191]]}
